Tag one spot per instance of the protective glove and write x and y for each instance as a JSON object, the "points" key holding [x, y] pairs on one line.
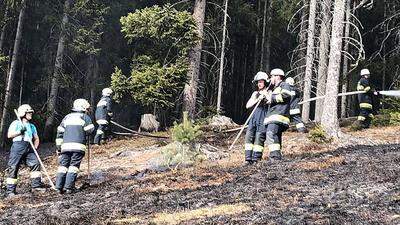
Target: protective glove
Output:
{"points": [[22, 130], [376, 92], [268, 98]]}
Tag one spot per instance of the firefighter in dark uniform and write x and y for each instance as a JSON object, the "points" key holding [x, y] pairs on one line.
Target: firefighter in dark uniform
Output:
{"points": [[22, 152], [255, 134], [72, 135], [294, 106], [103, 115], [365, 99], [277, 119]]}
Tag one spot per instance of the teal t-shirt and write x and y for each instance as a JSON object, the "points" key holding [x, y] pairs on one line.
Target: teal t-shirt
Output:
{"points": [[30, 132]]}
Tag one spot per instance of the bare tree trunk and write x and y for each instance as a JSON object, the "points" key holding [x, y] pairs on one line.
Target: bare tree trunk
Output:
{"points": [[255, 61], [323, 56], [21, 85], [91, 78], [385, 29], [95, 75], [190, 91], [51, 106], [343, 105], [302, 40], [309, 60], [3, 30], [329, 116], [13, 70], [264, 31], [267, 63], [221, 65]]}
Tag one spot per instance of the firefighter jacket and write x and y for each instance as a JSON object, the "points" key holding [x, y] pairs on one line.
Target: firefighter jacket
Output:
{"points": [[104, 110], [72, 132], [294, 101], [365, 99], [278, 111]]}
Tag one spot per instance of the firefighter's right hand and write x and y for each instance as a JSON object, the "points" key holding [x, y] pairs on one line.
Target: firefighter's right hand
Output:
{"points": [[22, 130], [58, 148]]}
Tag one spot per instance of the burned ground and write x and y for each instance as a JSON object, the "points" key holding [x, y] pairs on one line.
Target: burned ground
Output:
{"points": [[314, 185]]}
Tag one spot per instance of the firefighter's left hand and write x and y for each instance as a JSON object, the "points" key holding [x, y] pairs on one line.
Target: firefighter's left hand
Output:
{"points": [[376, 92]]}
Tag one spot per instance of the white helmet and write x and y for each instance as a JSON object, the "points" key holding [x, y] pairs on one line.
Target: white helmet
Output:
{"points": [[278, 72], [23, 109], [81, 105], [364, 72], [290, 81], [261, 76], [106, 92]]}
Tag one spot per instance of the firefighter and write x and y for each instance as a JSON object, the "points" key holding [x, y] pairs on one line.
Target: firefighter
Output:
{"points": [[21, 151], [365, 99], [255, 134], [72, 135], [277, 118], [294, 106], [103, 115]]}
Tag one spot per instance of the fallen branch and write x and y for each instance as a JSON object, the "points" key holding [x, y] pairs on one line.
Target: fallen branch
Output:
{"points": [[136, 133]]}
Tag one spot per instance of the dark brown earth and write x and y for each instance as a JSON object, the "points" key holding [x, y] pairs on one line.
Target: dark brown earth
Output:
{"points": [[315, 184]]}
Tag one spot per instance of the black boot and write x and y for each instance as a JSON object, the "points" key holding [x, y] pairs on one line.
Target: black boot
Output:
{"points": [[275, 155]]}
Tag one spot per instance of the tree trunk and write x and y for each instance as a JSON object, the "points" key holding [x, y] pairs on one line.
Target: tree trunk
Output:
{"points": [[13, 70], [221, 65], [323, 56], [302, 42], [264, 32], [190, 91], [330, 121], [3, 30], [309, 60], [267, 63], [51, 105], [343, 105], [255, 61]]}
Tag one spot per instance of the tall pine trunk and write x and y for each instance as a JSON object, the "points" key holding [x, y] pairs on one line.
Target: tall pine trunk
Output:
{"points": [[12, 72], [329, 115], [309, 60], [222, 58], [190, 90], [323, 56], [256, 42], [343, 107], [58, 66]]}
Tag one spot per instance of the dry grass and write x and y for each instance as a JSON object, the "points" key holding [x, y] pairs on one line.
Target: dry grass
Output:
{"points": [[324, 164], [187, 215], [176, 218]]}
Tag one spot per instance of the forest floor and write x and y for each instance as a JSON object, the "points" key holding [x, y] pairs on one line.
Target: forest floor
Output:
{"points": [[354, 181]]}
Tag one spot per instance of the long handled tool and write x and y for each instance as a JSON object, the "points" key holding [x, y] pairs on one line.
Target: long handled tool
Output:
{"points": [[88, 161], [245, 124], [37, 156]]}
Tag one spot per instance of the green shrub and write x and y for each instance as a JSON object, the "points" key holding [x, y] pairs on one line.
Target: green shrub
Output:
{"points": [[388, 117], [318, 135], [178, 154], [184, 150], [186, 132]]}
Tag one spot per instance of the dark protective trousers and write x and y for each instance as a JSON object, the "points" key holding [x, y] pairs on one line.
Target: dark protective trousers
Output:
{"points": [[365, 117], [69, 163], [101, 133], [255, 136], [296, 118], [274, 138], [20, 153]]}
